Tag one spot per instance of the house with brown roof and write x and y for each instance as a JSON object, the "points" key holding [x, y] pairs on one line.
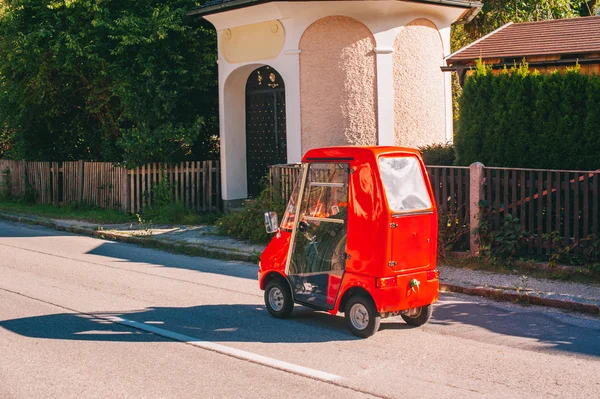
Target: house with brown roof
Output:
{"points": [[547, 46]]}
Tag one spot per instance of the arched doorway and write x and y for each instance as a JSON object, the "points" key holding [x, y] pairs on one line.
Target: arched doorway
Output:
{"points": [[265, 125]]}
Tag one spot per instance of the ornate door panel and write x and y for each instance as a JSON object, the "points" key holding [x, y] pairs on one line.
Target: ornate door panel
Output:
{"points": [[265, 125]]}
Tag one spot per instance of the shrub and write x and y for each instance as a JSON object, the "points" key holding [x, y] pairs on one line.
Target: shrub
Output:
{"points": [[438, 154], [520, 118], [248, 223], [451, 233], [499, 246]]}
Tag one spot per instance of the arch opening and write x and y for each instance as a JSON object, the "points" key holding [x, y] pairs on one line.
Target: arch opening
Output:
{"points": [[266, 139]]}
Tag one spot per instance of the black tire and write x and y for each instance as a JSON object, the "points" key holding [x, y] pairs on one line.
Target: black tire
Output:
{"points": [[281, 304], [362, 304], [421, 318]]}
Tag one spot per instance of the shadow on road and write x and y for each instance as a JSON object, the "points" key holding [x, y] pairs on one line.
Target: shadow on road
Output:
{"points": [[131, 253], [18, 230], [223, 323], [539, 327], [252, 323]]}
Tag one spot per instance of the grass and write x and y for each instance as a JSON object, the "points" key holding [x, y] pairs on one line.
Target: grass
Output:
{"points": [[170, 214], [82, 212], [178, 214]]}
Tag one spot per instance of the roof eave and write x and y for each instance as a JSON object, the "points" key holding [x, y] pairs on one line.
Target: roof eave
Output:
{"points": [[473, 7], [468, 61], [230, 5]]}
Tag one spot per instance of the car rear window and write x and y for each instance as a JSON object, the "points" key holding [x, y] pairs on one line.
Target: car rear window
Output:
{"points": [[404, 184]]}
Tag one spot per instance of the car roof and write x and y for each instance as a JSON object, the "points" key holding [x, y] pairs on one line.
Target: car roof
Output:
{"points": [[356, 153]]}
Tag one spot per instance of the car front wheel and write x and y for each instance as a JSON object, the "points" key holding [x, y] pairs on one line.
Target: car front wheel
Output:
{"points": [[278, 299]]}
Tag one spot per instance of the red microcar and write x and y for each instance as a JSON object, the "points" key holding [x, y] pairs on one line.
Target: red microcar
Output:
{"points": [[359, 236]]}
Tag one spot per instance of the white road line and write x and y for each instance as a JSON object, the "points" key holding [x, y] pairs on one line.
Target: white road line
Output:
{"points": [[226, 350]]}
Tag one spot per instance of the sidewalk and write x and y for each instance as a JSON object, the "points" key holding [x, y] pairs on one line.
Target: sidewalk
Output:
{"points": [[203, 241]]}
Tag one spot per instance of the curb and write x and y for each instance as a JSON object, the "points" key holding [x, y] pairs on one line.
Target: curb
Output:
{"points": [[148, 242], [523, 298], [198, 250]]}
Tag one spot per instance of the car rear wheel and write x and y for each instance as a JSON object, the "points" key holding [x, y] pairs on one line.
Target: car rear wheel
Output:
{"points": [[420, 317], [362, 319], [278, 299]]}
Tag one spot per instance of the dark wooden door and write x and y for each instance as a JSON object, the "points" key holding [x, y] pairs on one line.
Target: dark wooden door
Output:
{"points": [[265, 125]]}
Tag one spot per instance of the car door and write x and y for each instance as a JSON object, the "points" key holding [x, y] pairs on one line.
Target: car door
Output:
{"points": [[412, 213], [318, 255]]}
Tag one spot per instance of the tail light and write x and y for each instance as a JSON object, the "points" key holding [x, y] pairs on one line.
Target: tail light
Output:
{"points": [[385, 282], [433, 274]]}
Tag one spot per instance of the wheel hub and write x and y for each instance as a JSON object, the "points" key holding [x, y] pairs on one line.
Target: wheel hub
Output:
{"points": [[359, 316], [276, 299]]}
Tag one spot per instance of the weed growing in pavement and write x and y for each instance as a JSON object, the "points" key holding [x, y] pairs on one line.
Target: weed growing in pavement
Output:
{"points": [[145, 225], [522, 285]]}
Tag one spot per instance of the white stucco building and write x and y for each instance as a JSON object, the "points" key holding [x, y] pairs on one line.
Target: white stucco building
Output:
{"points": [[295, 75]]}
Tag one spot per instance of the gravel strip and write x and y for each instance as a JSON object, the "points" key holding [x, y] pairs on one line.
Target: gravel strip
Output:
{"points": [[453, 275]]}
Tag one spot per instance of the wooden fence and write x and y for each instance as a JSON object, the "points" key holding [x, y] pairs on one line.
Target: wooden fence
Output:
{"points": [[282, 179], [561, 202], [450, 185], [545, 201], [103, 184]]}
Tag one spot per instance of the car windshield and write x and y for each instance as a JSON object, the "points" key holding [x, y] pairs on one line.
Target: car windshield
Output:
{"points": [[404, 184]]}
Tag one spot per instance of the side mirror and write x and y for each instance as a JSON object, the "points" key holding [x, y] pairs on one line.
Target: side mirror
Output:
{"points": [[271, 223]]}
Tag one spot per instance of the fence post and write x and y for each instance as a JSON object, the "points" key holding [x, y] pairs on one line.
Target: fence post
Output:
{"points": [[80, 180], [24, 179], [125, 193], [475, 195]]}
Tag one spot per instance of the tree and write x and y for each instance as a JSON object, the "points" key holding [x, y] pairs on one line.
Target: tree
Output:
{"points": [[109, 80]]}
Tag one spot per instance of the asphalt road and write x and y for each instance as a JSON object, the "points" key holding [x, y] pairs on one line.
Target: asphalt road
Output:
{"points": [[83, 318]]}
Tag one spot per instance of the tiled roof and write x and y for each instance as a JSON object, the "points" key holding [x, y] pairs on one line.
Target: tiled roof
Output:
{"points": [[561, 36]]}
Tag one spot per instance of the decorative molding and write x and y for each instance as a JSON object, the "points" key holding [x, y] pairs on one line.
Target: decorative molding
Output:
{"points": [[259, 41]]}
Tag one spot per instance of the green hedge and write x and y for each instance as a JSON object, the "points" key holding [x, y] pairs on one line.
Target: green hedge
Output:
{"points": [[438, 154], [520, 118]]}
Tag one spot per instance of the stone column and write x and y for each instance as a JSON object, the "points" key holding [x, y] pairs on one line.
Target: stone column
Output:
{"points": [[290, 69], [385, 95], [476, 194]]}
